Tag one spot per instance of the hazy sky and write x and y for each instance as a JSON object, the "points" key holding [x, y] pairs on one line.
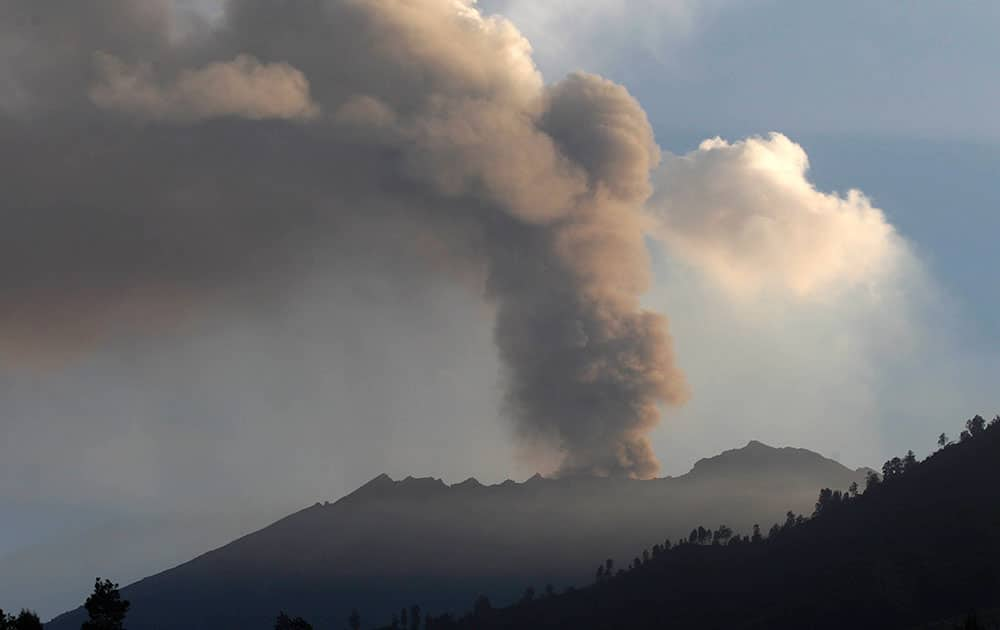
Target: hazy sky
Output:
{"points": [[855, 324]]}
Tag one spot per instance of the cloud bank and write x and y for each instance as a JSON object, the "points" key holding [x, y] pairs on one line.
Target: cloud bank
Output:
{"points": [[157, 176]]}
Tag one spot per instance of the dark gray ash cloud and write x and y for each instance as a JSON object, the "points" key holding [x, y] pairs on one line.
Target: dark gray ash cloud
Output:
{"points": [[157, 168]]}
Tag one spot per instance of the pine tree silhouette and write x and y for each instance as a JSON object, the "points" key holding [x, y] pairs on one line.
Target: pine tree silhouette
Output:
{"points": [[105, 607]]}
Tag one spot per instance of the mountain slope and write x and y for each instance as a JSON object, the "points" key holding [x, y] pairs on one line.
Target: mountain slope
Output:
{"points": [[921, 547], [392, 543], [55, 573]]}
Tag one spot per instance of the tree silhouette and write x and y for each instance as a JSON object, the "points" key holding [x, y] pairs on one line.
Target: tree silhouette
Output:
{"points": [[529, 594], [105, 607], [872, 480], [441, 622], [892, 469], [354, 620], [25, 620], [824, 501], [704, 535], [789, 520], [481, 607], [943, 440], [831, 499], [756, 538], [721, 535], [284, 622], [976, 426]]}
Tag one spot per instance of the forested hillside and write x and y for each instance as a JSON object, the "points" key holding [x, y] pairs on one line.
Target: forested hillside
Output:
{"points": [[920, 544]]}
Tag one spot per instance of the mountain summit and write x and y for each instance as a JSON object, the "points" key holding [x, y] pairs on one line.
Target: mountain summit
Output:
{"points": [[391, 543], [759, 459]]}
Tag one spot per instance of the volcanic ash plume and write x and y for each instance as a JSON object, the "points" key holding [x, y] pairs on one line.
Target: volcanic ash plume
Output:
{"points": [[163, 162]]}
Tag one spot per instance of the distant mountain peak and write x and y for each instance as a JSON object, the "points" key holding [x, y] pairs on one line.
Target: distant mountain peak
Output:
{"points": [[471, 482], [381, 481], [384, 487], [377, 486], [763, 459], [428, 482], [755, 458]]}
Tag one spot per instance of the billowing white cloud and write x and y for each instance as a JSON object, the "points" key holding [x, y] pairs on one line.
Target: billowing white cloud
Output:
{"points": [[747, 215], [802, 317], [243, 87]]}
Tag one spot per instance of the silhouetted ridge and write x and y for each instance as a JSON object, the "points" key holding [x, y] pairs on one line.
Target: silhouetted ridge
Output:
{"points": [[380, 481], [921, 544], [757, 457], [469, 484], [377, 486], [391, 543]]}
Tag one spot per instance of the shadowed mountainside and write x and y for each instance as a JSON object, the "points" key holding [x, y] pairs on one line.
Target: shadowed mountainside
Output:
{"points": [[392, 543], [921, 546], [56, 573]]}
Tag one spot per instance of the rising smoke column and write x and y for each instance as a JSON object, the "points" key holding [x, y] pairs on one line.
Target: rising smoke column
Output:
{"points": [[158, 164], [588, 367]]}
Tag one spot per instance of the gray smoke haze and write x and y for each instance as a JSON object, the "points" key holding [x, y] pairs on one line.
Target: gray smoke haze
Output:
{"points": [[160, 166]]}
